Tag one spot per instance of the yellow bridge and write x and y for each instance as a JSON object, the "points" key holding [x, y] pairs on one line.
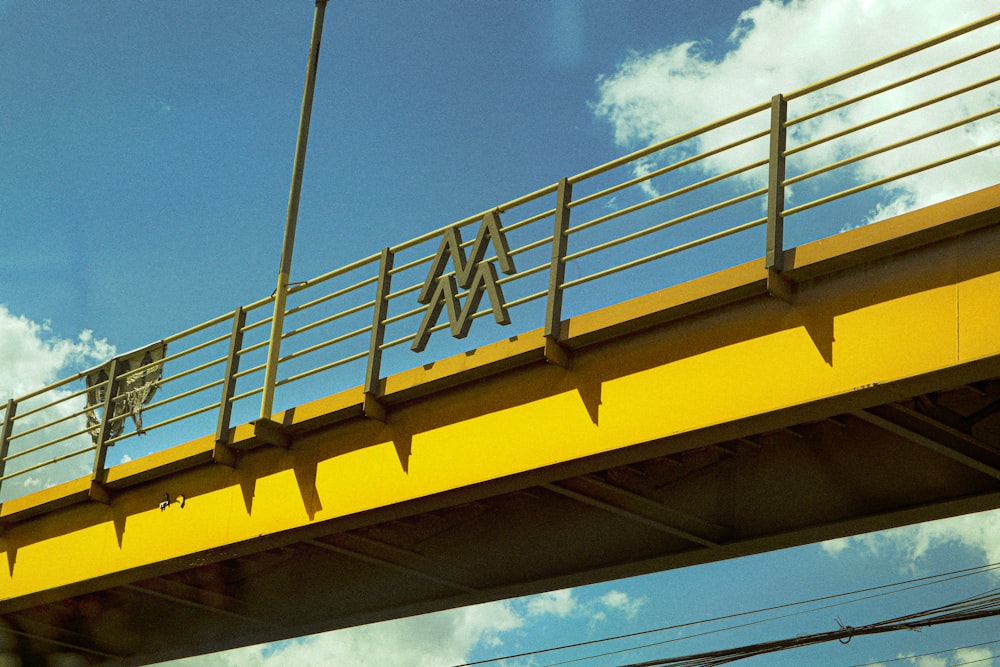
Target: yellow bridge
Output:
{"points": [[695, 402]]}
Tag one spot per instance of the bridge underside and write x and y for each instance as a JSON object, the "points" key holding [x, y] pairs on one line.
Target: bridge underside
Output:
{"points": [[708, 421]]}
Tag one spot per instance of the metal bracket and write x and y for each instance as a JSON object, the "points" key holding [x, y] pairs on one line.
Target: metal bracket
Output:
{"points": [[99, 493], [225, 455], [374, 409], [270, 432], [779, 286], [556, 354]]}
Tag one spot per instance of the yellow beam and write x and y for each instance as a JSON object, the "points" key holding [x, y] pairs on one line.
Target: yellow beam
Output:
{"points": [[876, 311]]}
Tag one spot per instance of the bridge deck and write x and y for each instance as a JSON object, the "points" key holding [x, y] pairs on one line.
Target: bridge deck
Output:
{"points": [[706, 421]]}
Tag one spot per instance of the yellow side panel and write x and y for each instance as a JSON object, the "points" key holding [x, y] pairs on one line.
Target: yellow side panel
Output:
{"points": [[979, 326], [754, 358]]}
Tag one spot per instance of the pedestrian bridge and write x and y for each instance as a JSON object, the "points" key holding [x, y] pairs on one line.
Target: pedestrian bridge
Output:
{"points": [[685, 376]]}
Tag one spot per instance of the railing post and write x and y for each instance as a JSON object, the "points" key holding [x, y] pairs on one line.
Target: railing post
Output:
{"points": [[372, 407], [100, 470], [777, 285], [557, 270], [5, 432], [222, 435]]}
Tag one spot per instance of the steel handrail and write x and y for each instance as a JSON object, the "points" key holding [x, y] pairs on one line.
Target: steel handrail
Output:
{"points": [[47, 425], [328, 319], [669, 168], [555, 210], [327, 343], [38, 466], [968, 120], [891, 116], [889, 179], [61, 399], [666, 143], [893, 57], [666, 253], [891, 86], [321, 369], [666, 197], [513, 203], [332, 295], [45, 445]]}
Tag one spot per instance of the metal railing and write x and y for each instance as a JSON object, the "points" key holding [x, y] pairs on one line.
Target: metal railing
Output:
{"points": [[849, 147]]}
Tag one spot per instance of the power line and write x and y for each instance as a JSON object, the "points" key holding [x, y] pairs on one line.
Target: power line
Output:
{"points": [[901, 586], [976, 607], [905, 586], [879, 663]]}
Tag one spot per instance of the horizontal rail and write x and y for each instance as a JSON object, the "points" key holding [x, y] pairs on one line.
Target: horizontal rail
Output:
{"points": [[670, 223], [62, 399], [47, 425], [325, 367], [667, 143], [39, 466], [328, 319], [687, 162], [333, 295], [893, 57], [45, 445], [669, 251], [353, 266], [890, 116], [891, 86], [327, 343], [167, 422], [514, 203], [890, 147], [185, 394], [889, 179]]}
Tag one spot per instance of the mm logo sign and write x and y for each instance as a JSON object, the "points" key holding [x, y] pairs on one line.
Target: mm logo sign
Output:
{"points": [[475, 274]]}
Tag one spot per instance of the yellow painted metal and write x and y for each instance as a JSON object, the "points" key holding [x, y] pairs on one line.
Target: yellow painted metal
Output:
{"points": [[864, 316]]}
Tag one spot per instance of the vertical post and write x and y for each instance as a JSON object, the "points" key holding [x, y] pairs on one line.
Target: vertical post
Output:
{"points": [[229, 381], [281, 292], [372, 407], [557, 268], [5, 432], [110, 391], [774, 259], [378, 322], [557, 271]]}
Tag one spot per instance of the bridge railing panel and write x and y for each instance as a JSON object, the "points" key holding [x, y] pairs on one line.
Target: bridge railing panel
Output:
{"points": [[913, 128]]}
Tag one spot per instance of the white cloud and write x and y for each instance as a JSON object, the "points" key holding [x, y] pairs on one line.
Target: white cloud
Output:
{"points": [[32, 356], [622, 602], [443, 638], [432, 640], [781, 46], [980, 655], [560, 603], [911, 545]]}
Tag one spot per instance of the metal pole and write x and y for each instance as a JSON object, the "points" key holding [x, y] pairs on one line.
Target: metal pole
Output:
{"points": [[281, 292]]}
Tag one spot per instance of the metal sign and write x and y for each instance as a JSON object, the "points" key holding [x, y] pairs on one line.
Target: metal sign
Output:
{"points": [[477, 275]]}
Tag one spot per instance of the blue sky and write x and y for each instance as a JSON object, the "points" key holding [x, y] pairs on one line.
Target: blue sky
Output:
{"points": [[145, 156]]}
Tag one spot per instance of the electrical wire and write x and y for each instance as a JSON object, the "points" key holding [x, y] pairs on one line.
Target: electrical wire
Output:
{"points": [[916, 583], [901, 586], [976, 607], [880, 663]]}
